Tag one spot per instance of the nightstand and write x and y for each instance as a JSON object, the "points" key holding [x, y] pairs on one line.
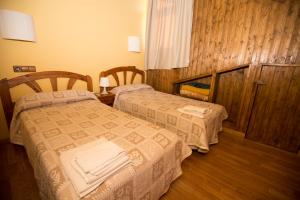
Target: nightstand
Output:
{"points": [[107, 99]]}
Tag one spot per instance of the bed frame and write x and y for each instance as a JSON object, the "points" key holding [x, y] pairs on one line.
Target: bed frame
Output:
{"points": [[30, 80], [114, 73]]}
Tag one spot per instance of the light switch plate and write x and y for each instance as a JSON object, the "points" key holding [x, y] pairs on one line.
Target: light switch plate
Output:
{"points": [[19, 68]]}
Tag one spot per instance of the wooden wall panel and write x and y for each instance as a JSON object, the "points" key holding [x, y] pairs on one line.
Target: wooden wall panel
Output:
{"points": [[276, 112], [235, 32], [162, 79], [229, 93], [292, 116], [228, 33]]}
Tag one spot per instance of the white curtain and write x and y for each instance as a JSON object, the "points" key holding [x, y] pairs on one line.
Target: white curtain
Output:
{"points": [[168, 33]]}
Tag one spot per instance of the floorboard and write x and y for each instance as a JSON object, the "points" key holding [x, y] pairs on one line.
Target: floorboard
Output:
{"points": [[235, 168]]}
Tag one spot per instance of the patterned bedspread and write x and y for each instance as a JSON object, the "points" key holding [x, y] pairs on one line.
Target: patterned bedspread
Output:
{"points": [[161, 109], [156, 153]]}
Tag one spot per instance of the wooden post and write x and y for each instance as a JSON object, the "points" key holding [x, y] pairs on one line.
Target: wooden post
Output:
{"points": [[213, 84], [6, 100]]}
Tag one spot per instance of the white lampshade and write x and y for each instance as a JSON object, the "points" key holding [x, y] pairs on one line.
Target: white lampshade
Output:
{"points": [[104, 82], [134, 44], [16, 26]]}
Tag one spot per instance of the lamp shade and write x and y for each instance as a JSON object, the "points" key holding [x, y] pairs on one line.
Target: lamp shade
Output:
{"points": [[134, 44], [16, 26], [104, 82]]}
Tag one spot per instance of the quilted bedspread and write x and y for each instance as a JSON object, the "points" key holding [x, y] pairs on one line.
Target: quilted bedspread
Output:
{"points": [[155, 152], [161, 109]]}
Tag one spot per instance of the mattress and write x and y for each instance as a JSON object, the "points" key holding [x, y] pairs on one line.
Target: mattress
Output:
{"points": [[161, 109], [48, 130]]}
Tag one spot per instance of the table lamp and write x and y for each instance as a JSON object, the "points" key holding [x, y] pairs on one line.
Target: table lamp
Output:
{"points": [[104, 82]]}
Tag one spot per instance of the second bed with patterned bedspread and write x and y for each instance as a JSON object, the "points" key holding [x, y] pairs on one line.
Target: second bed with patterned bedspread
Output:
{"points": [[160, 108]]}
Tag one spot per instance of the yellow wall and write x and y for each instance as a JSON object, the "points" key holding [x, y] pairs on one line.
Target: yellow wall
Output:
{"points": [[79, 36]]}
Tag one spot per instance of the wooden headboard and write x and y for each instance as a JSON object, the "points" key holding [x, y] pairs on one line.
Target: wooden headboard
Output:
{"points": [[30, 80], [113, 72]]}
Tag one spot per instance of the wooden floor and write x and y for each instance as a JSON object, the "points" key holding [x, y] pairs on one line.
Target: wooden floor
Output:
{"points": [[235, 168]]}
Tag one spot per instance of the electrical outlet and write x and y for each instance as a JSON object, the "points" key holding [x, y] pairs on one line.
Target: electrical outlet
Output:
{"points": [[19, 68]]}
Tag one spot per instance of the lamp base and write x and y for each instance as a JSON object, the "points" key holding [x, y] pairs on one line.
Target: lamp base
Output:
{"points": [[104, 91]]}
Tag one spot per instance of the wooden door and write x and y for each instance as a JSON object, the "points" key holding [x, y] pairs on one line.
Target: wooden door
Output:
{"points": [[275, 116]]}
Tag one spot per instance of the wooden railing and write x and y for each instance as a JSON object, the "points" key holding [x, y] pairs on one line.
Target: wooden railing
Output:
{"points": [[213, 83]]}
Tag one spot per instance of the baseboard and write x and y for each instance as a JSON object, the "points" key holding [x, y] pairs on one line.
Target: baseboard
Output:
{"points": [[234, 132]]}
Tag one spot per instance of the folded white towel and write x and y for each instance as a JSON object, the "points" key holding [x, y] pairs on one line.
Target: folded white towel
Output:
{"points": [[78, 181], [97, 156], [102, 172], [121, 157], [194, 110]]}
